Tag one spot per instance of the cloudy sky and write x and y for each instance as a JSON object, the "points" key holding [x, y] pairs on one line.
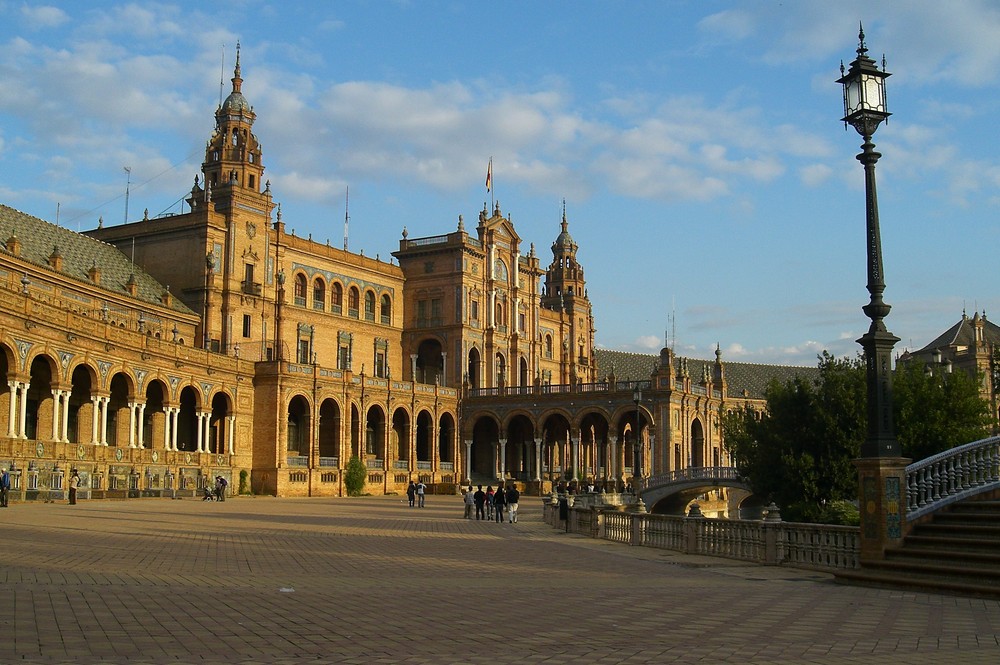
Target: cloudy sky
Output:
{"points": [[712, 190]]}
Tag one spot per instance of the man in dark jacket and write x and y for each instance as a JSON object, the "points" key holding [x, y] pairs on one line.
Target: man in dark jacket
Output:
{"points": [[499, 503], [480, 499], [512, 496]]}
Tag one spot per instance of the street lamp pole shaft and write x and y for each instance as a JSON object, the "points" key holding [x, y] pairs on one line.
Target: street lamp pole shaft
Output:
{"points": [[877, 342]]}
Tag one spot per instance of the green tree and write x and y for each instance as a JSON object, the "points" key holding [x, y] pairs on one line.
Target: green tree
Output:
{"points": [[799, 452], [355, 476], [937, 410]]}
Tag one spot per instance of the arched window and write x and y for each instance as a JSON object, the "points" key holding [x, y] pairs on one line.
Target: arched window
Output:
{"points": [[353, 299], [336, 297], [386, 310], [300, 290], [319, 294], [369, 306], [548, 346]]}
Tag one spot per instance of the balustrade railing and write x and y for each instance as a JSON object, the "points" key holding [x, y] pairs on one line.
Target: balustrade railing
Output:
{"points": [[821, 546], [951, 476]]}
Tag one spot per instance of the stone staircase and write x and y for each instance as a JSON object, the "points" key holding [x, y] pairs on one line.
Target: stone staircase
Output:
{"points": [[956, 552]]}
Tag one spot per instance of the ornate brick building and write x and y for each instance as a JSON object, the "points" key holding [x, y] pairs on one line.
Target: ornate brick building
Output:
{"points": [[161, 353]]}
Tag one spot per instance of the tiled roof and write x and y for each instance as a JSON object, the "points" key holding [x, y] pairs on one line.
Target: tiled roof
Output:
{"points": [[963, 334], [39, 238], [750, 377]]}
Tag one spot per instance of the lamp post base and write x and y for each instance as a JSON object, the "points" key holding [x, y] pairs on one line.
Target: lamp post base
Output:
{"points": [[882, 504]]}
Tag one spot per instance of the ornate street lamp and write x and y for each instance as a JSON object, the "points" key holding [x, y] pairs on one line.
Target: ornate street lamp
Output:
{"points": [[865, 109]]}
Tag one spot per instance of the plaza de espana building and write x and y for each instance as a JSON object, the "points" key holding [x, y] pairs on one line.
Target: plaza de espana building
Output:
{"points": [[156, 355]]}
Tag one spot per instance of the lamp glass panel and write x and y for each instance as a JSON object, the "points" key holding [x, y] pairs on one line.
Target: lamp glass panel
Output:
{"points": [[853, 98], [873, 93]]}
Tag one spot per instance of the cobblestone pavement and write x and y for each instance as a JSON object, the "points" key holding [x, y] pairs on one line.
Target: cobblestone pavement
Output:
{"points": [[370, 580]]}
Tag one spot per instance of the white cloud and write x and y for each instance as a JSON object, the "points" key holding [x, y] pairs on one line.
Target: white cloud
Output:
{"points": [[44, 16], [813, 175]]}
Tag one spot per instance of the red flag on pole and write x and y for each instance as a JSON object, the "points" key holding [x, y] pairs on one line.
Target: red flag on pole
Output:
{"points": [[489, 176]]}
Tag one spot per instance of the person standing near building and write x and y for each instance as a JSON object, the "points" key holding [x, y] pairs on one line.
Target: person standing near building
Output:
{"points": [[499, 503], [4, 487], [74, 485], [411, 492], [480, 499], [470, 501], [512, 497], [421, 488], [489, 502]]}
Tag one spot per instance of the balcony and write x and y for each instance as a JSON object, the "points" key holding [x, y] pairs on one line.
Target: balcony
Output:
{"points": [[251, 288]]}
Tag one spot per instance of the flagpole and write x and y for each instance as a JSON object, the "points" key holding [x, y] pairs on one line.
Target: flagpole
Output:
{"points": [[489, 183]]}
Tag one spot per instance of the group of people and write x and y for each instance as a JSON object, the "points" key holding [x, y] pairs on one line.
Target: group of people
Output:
{"points": [[216, 492], [415, 492], [491, 505]]}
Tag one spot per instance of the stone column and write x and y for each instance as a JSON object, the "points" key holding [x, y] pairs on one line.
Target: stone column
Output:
{"points": [[468, 459], [502, 458], [12, 409], [231, 433], [882, 500], [131, 424], [56, 412], [538, 460], [95, 419], [105, 401], [167, 427], [413, 366], [173, 428], [444, 368], [22, 433], [200, 416], [140, 428], [65, 417], [574, 453]]}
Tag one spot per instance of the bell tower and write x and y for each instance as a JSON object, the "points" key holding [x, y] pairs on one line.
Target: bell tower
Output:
{"points": [[233, 154], [566, 293]]}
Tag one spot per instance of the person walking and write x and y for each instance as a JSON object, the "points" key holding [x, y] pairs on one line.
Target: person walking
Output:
{"points": [[499, 503], [74, 485], [411, 492], [4, 487], [512, 496], [420, 488], [469, 499], [489, 502], [480, 499]]}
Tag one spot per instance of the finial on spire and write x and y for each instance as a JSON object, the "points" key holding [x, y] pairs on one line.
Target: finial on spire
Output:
{"points": [[237, 77], [862, 49]]}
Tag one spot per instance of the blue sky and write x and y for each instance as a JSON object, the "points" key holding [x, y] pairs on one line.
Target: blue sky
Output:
{"points": [[712, 190]]}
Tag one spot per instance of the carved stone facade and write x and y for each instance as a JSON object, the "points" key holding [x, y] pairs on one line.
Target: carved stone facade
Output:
{"points": [[271, 359]]}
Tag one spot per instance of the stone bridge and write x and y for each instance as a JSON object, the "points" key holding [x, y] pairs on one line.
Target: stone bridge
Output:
{"points": [[669, 493]]}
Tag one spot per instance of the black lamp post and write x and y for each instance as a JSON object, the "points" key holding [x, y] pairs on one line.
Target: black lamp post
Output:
{"points": [[636, 453], [865, 109]]}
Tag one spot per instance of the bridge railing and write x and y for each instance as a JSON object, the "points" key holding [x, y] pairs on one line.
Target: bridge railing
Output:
{"points": [[951, 476], [690, 473], [768, 542]]}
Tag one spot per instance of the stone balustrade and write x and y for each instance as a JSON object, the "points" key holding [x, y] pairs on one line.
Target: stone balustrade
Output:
{"points": [[769, 541]]}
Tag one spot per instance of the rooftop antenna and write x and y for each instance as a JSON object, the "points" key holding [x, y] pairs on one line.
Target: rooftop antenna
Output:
{"points": [[128, 183], [673, 324], [347, 216], [222, 75], [57, 213]]}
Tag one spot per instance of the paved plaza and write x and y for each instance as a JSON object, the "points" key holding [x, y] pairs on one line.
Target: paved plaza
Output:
{"points": [[371, 580]]}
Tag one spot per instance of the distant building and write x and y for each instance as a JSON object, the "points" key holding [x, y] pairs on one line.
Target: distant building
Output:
{"points": [[968, 346]]}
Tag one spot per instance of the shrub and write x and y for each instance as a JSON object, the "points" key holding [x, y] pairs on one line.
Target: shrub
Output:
{"points": [[355, 476]]}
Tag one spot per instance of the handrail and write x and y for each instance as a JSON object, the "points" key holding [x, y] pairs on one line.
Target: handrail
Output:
{"points": [[691, 473], [951, 476]]}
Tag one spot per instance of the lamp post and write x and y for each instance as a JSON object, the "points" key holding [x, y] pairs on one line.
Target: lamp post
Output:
{"points": [[865, 109], [637, 465]]}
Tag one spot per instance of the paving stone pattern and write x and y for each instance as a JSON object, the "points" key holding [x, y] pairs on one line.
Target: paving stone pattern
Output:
{"points": [[371, 580]]}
